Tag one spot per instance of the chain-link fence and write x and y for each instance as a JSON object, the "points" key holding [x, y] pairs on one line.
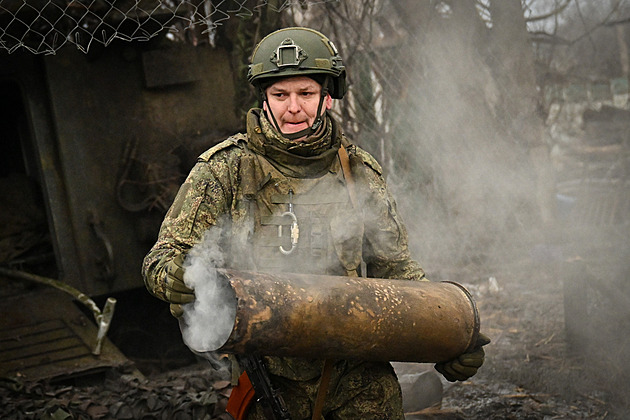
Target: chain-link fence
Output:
{"points": [[44, 26]]}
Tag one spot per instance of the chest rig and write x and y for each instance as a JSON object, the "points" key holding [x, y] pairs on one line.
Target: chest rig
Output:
{"points": [[301, 225]]}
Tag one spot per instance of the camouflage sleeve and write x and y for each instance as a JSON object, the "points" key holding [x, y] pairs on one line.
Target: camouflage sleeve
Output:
{"points": [[202, 200], [386, 250]]}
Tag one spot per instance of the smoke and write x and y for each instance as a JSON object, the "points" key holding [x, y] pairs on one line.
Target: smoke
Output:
{"points": [[208, 321], [463, 180], [467, 189]]}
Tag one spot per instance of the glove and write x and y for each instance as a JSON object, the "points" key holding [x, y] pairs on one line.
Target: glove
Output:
{"points": [[467, 364], [176, 291]]}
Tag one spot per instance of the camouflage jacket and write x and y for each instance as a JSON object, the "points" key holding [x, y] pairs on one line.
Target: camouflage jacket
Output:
{"points": [[242, 187]]}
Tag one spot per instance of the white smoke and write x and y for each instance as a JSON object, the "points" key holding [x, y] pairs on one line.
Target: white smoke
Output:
{"points": [[209, 320]]}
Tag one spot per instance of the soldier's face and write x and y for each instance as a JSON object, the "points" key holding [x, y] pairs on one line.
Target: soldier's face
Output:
{"points": [[294, 102]]}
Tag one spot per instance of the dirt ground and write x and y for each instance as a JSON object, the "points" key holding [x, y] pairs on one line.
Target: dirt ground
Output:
{"points": [[530, 371]]}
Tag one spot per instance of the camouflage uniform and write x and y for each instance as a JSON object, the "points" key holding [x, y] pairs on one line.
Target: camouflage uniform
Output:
{"points": [[243, 186]]}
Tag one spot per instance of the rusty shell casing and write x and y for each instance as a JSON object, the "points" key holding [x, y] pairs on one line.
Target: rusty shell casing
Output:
{"points": [[338, 317]]}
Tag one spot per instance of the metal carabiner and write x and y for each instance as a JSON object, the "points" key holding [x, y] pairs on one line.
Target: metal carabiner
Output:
{"points": [[295, 233], [295, 229]]}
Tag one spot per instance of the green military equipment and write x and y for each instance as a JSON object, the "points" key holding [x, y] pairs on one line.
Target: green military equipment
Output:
{"points": [[297, 52]]}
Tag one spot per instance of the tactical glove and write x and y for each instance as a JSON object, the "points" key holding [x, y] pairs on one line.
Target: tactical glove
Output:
{"points": [[176, 291], [466, 365]]}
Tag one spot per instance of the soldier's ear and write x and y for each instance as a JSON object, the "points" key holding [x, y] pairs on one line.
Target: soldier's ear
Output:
{"points": [[328, 101]]}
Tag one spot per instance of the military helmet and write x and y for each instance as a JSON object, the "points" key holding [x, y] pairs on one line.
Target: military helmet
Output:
{"points": [[297, 52]]}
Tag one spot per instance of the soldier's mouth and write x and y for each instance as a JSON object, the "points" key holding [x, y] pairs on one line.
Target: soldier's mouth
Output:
{"points": [[296, 126]]}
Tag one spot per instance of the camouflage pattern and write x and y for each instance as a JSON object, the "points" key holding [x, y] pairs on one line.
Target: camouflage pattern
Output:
{"points": [[363, 390], [216, 195], [242, 186]]}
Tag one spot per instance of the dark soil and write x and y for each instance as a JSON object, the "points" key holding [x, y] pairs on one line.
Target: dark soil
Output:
{"points": [[531, 371]]}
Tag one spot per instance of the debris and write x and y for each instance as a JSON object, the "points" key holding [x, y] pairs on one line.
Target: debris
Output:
{"points": [[43, 335], [493, 285]]}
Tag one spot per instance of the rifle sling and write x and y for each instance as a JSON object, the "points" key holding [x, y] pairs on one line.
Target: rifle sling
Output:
{"points": [[344, 159], [322, 390]]}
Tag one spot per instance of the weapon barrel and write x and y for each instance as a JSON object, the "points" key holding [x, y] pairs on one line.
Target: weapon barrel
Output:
{"points": [[336, 317]]}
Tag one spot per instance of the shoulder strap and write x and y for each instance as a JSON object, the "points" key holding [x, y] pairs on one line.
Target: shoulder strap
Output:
{"points": [[347, 174], [322, 390]]}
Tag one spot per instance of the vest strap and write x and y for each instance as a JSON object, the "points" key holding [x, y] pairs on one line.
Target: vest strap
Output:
{"points": [[344, 159], [347, 174], [324, 382]]}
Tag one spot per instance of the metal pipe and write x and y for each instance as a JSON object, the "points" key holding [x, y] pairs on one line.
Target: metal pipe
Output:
{"points": [[337, 317]]}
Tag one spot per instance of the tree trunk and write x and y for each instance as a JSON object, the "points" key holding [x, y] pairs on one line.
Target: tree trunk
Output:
{"points": [[623, 51], [510, 43]]}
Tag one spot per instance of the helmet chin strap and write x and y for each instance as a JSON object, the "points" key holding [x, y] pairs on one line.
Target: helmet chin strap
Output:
{"points": [[319, 120]]}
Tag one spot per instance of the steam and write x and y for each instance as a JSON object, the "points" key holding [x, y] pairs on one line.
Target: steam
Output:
{"points": [[464, 185], [468, 194], [208, 321]]}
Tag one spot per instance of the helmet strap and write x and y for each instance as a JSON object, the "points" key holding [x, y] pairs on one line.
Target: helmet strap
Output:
{"points": [[307, 131]]}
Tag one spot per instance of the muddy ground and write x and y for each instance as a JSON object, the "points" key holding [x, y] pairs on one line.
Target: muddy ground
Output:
{"points": [[531, 371]]}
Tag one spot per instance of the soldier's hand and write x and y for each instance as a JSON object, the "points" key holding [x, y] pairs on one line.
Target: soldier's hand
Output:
{"points": [[466, 365], [176, 291]]}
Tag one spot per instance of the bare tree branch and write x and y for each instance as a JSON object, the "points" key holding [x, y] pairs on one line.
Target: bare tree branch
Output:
{"points": [[553, 12], [618, 22], [543, 37], [589, 32], [614, 10]]}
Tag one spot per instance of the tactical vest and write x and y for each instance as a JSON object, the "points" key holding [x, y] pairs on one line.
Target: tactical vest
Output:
{"points": [[302, 225]]}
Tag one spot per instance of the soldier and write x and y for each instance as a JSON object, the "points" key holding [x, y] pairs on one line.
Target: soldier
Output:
{"points": [[294, 194]]}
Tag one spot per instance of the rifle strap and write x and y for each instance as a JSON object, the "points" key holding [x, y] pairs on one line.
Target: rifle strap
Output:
{"points": [[344, 159], [322, 390]]}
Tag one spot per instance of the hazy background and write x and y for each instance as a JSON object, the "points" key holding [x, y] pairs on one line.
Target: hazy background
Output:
{"points": [[503, 131]]}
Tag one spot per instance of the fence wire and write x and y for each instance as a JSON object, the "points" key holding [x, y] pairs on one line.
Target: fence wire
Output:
{"points": [[44, 26]]}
